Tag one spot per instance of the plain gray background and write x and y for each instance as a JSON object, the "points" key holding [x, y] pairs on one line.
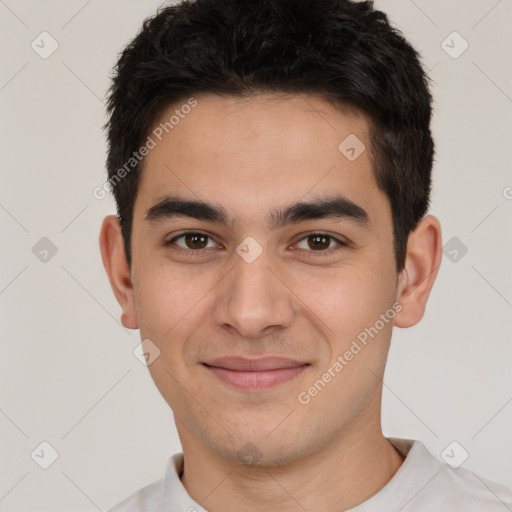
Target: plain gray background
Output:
{"points": [[68, 373]]}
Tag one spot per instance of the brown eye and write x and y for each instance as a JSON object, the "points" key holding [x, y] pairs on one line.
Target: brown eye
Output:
{"points": [[321, 243], [192, 241], [196, 241]]}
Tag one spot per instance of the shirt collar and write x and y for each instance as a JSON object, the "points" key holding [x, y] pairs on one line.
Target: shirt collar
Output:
{"points": [[418, 467]]}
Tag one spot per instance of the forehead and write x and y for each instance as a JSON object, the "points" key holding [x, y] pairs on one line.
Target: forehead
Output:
{"points": [[253, 154]]}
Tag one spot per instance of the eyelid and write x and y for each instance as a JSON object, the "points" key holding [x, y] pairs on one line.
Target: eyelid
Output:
{"points": [[190, 232], [341, 242]]}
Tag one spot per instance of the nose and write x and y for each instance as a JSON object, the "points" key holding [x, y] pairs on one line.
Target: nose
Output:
{"points": [[254, 300]]}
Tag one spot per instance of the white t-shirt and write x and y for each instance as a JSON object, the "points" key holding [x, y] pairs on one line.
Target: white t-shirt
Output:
{"points": [[421, 484]]}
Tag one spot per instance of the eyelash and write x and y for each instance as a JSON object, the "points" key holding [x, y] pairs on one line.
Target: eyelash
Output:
{"points": [[200, 252]]}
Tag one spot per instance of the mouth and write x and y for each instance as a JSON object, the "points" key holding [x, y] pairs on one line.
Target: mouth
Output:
{"points": [[255, 374]]}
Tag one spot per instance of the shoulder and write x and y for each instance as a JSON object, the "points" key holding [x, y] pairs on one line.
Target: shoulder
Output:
{"points": [[464, 490], [150, 497], [437, 485]]}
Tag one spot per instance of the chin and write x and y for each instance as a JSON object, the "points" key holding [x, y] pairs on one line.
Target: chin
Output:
{"points": [[260, 449]]}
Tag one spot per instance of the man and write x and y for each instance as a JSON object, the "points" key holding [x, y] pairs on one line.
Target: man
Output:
{"points": [[271, 163]]}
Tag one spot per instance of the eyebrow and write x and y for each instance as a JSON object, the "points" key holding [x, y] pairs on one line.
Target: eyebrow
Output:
{"points": [[334, 207]]}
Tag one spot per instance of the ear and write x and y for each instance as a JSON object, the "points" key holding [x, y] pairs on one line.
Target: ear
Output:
{"points": [[424, 253], [116, 265]]}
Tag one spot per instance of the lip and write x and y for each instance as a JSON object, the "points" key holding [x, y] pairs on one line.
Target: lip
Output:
{"points": [[255, 374]]}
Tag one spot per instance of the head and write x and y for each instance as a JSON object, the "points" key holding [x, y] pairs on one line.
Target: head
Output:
{"points": [[271, 165]]}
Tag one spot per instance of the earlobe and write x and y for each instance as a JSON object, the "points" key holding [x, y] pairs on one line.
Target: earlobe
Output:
{"points": [[115, 263], [424, 253]]}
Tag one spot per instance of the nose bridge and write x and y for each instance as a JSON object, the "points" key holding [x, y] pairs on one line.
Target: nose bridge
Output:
{"points": [[253, 299]]}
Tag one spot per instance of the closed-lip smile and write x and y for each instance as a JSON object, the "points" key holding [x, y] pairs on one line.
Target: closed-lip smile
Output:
{"points": [[255, 374]]}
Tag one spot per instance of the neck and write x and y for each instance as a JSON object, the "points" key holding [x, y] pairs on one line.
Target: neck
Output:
{"points": [[337, 477]]}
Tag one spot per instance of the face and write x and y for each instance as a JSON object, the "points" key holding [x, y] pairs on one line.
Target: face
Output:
{"points": [[258, 304]]}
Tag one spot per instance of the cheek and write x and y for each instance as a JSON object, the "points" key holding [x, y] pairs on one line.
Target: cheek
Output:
{"points": [[347, 299], [172, 303], [161, 301]]}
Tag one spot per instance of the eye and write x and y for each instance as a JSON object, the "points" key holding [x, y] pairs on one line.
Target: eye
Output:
{"points": [[320, 243], [192, 241], [316, 244]]}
